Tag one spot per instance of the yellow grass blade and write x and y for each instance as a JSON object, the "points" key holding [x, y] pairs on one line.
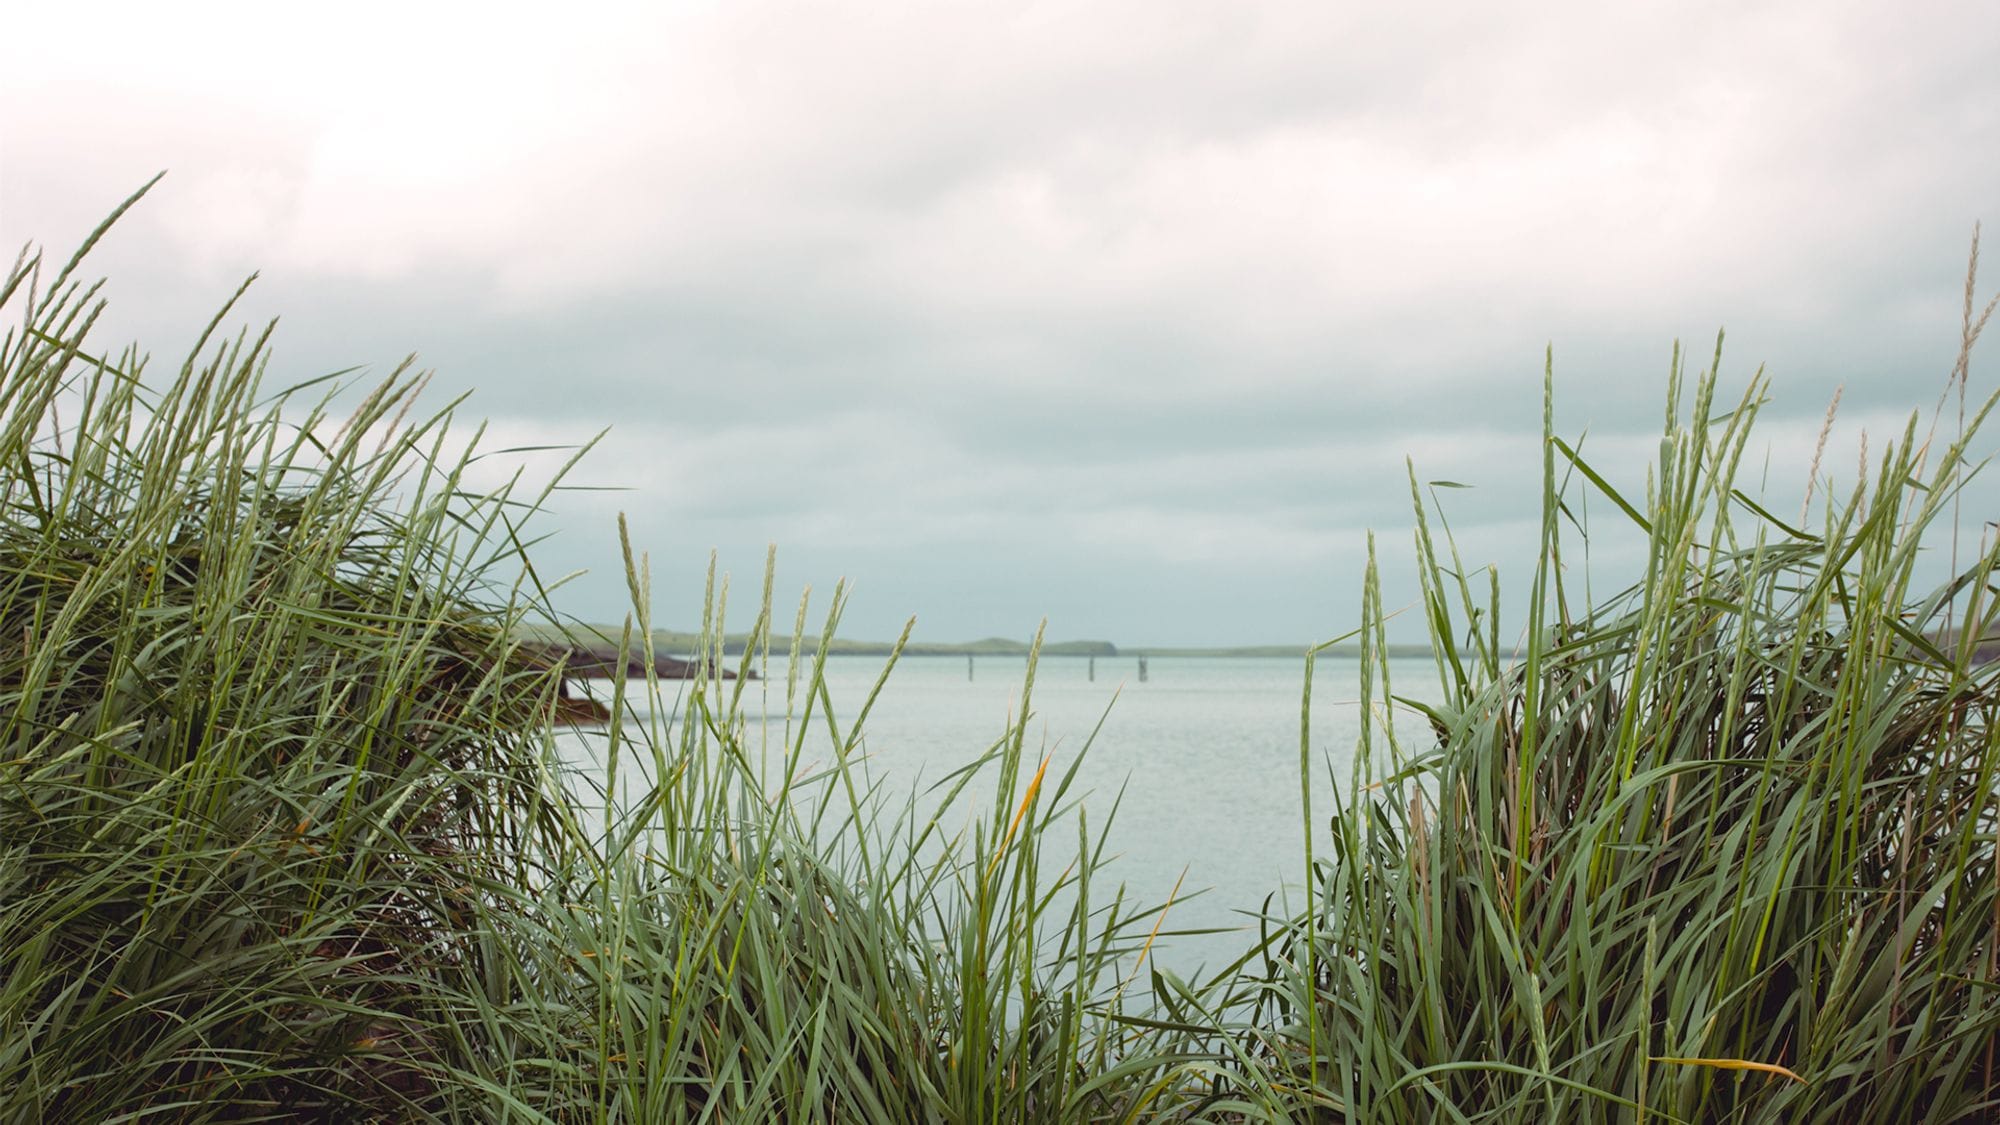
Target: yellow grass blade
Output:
{"points": [[1014, 825], [1734, 1064]]}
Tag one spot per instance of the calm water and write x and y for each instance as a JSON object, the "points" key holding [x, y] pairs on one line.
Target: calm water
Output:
{"points": [[1207, 753]]}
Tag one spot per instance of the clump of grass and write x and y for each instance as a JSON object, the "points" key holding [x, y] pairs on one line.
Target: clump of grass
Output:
{"points": [[784, 942], [284, 833], [261, 758], [1720, 847]]}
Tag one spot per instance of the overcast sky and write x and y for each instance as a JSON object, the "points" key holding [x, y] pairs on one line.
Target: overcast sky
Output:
{"points": [[1122, 314]]}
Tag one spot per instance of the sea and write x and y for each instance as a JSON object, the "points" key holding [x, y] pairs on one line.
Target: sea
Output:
{"points": [[1200, 759]]}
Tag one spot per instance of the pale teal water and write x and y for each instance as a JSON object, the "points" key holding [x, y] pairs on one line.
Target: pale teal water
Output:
{"points": [[1207, 753]]}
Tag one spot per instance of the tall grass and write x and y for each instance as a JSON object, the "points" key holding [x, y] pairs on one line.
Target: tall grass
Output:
{"points": [[285, 832], [1721, 847], [261, 769]]}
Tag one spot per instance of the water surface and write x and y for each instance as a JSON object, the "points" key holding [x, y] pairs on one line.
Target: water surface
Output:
{"points": [[1206, 752]]}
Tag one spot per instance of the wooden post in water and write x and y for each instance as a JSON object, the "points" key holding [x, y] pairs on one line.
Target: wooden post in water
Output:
{"points": [[1142, 669], [968, 667], [1093, 669]]}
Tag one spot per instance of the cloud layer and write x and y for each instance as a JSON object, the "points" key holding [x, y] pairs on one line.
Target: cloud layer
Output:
{"points": [[1127, 314]]}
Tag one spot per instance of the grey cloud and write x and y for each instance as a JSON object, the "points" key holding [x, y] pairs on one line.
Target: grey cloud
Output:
{"points": [[1128, 314]]}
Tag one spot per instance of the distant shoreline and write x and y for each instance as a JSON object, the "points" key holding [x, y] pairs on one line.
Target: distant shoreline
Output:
{"points": [[681, 644]]}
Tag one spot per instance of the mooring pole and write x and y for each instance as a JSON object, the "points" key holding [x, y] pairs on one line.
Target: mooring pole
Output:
{"points": [[968, 667], [1093, 669]]}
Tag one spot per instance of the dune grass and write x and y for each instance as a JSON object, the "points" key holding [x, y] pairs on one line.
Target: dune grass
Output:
{"points": [[1718, 848], [285, 832]]}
